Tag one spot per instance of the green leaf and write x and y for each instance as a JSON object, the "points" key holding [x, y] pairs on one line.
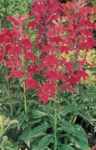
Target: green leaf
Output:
{"points": [[35, 132], [81, 138], [38, 114], [66, 147], [44, 142], [77, 134], [70, 109]]}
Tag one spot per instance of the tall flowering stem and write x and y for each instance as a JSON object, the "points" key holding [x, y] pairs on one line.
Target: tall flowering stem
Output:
{"points": [[55, 128], [25, 99]]}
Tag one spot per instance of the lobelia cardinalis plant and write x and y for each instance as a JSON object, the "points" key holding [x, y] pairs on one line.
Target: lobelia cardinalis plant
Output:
{"points": [[59, 28]]}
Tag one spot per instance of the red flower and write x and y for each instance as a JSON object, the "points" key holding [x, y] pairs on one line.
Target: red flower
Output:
{"points": [[46, 91], [69, 66], [16, 21], [64, 48], [16, 74], [12, 49], [30, 56], [47, 48], [53, 75], [56, 39], [13, 20], [32, 24], [13, 63], [49, 61], [31, 83], [26, 43], [1, 55], [43, 97], [5, 36], [76, 77], [32, 69]]}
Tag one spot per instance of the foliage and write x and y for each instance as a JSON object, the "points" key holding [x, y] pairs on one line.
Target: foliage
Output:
{"points": [[43, 126], [10, 7]]}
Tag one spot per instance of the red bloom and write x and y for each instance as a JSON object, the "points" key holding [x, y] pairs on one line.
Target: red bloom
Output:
{"points": [[76, 77], [64, 49], [26, 43], [31, 83], [5, 36], [50, 61], [56, 39], [16, 21], [12, 49], [46, 91], [1, 55], [13, 20], [16, 74], [53, 75], [32, 24], [30, 56], [69, 67], [43, 98], [13, 63], [47, 48], [32, 69]]}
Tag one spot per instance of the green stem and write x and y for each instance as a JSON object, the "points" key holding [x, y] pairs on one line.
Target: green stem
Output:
{"points": [[5, 14], [25, 99], [55, 128], [1, 124]]}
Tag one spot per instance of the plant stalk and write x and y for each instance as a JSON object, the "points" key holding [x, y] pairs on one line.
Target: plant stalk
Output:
{"points": [[25, 99], [55, 128]]}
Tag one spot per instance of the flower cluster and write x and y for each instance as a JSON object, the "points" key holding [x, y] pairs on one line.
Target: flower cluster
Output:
{"points": [[60, 28], [16, 52]]}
